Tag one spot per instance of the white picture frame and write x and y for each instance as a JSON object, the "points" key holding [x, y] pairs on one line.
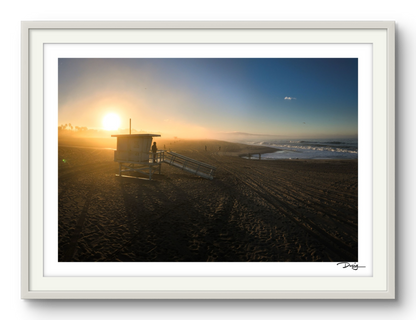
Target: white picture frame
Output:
{"points": [[380, 285]]}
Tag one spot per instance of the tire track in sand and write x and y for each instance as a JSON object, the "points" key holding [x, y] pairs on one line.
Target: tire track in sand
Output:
{"points": [[329, 241], [313, 199]]}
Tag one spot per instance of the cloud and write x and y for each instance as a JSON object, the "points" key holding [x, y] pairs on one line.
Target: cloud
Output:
{"points": [[290, 98]]}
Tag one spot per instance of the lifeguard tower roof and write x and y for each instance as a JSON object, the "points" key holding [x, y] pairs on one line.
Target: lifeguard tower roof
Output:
{"points": [[136, 135]]}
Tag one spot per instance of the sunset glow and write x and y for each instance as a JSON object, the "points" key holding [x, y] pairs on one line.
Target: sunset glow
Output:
{"points": [[210, 97], [111, 122]]}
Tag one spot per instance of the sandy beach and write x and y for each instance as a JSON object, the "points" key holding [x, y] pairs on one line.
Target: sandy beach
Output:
{"points": [[280, 210]]}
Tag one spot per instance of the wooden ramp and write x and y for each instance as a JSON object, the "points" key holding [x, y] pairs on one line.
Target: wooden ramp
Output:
{"points": [[189, 165]]}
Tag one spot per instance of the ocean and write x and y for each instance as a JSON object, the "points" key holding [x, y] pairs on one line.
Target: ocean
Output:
{"points": [[309, 149]]}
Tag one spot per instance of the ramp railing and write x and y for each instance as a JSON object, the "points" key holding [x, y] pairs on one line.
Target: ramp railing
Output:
{"points": [[190, 165]]}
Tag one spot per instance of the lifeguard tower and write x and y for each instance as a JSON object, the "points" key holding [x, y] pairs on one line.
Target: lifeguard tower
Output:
{"points": [[133, 154]]}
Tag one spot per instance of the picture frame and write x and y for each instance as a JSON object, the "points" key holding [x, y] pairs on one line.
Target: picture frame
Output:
{"points": [[380, 35]]}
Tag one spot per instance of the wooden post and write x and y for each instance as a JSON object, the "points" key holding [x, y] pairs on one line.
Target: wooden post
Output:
{"points": [[130, 126], [259, 156]]}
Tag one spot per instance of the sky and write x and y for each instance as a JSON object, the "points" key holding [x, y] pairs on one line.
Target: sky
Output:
{"points": [[207, 97]]}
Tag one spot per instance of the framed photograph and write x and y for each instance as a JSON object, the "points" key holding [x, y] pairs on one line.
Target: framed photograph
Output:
{"points": [[208, 160]]}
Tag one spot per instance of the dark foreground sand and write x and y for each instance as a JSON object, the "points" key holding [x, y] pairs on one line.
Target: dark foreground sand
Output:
{"points": [[282, 210]]}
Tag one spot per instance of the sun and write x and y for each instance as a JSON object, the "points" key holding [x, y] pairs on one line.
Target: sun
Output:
{"points": [[111, 121]]}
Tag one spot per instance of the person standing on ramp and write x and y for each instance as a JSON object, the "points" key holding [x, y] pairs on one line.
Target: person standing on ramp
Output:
{"points": [[154, 150]]}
